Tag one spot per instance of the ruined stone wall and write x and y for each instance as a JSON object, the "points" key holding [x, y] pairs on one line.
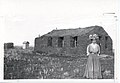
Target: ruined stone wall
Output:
{"points": [[41, 46]]}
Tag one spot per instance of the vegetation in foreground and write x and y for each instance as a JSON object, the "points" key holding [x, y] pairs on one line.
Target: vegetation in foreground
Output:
{"points": [[25, 64]]}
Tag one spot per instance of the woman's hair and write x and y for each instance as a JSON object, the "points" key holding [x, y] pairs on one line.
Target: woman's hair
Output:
{"points": [[91, 39]]}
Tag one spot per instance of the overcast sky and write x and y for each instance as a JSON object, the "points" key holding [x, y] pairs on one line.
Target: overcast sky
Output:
{"points": [[24, 20]]}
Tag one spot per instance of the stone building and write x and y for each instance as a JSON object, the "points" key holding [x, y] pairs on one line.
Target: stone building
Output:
{"points": [[72, 41], [9, 45]]}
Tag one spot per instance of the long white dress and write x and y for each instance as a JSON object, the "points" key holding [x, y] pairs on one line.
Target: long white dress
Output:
{"points": [[93, 67]]}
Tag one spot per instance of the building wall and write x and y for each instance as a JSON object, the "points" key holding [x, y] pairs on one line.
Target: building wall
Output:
{"points": [[25, 46], [8, 45], [79, 50]]}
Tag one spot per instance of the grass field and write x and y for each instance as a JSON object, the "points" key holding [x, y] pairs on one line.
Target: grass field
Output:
{"points": [[25, 64]]}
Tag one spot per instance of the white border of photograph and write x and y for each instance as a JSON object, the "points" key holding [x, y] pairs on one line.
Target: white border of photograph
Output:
{"points": [[116, 66]]}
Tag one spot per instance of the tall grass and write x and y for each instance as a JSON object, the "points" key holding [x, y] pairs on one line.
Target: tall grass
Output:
{"points": [[26, 64]]}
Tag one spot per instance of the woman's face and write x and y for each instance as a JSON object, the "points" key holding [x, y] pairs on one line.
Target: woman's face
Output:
{"points": [[94, 41]]}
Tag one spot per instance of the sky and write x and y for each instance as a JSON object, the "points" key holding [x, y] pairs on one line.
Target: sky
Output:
{"points": [[24, 20]]}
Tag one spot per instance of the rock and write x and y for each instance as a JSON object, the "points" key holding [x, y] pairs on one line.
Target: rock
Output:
{"points": [[76, 70], [66, 74], [61, 69], [107, 72]]}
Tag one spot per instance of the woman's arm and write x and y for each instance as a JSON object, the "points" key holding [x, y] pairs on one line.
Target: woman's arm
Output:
{"points": [[98, 50], [88, 50]]}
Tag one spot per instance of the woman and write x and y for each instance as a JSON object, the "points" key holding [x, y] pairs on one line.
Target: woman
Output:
{"points": [[93, 68]]}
